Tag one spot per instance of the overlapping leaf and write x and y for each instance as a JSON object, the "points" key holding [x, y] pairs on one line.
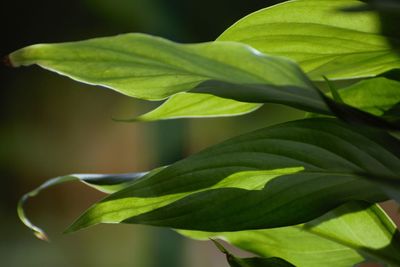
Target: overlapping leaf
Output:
{"points": [[343, 237], [153, 68], [318, 34], [278, 176]]}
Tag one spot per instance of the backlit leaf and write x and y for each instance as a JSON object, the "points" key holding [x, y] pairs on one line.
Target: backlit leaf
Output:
{"points": [[343, 237], [321, 37]]}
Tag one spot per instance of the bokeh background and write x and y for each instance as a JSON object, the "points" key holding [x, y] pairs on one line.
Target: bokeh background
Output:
{"points": [[52, 126]]}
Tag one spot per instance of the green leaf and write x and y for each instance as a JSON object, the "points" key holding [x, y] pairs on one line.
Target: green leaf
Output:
{"points": [[107, 183], [376, 96], [343, 237], [277, 176], [355, 116], [190, 105], [251, 262], [325, 42], [321, 37], [390, 184], [153, 68]]}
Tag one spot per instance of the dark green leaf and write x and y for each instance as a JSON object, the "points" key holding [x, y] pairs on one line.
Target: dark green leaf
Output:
{"points": [[278, 176]]}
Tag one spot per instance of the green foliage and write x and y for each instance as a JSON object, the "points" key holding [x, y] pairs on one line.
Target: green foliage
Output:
{"points": [[322, 38], [340, 238], [278, 176], [303, 192]]}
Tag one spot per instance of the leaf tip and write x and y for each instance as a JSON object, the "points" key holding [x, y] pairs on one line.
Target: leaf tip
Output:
{"points": [[219, 246], [41, 235]]}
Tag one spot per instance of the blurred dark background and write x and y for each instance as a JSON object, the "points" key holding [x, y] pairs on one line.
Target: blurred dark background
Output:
{"points": [[52, 126]]}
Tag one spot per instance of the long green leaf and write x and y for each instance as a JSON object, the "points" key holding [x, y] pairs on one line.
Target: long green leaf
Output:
{"points": [[278, 176], [321, 37], [153, 68], [343, 237], [251, 262]]}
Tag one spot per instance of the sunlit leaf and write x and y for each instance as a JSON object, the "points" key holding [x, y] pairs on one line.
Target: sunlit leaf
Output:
{"points": [[153, 68], [321, 37], [278, 176], [355, 116], [343, 237], [189, 105], [376, 96]]}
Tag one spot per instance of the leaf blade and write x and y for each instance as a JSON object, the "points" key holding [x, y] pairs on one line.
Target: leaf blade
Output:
{"points": [[336, 239], [153, 68], [261, 174], [356, 47]]}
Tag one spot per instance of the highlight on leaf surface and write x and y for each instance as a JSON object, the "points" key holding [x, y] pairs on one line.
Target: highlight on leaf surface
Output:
{"points": [[278, 176]]}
